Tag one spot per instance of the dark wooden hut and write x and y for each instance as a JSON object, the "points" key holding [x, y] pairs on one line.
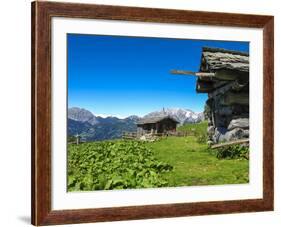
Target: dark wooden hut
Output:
{"points": [[224, 75], [154, 125]]}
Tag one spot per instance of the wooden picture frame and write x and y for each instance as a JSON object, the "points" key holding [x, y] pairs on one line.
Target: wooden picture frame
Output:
{"points": [[42, 12]]}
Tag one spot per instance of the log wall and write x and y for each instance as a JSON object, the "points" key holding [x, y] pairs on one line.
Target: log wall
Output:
{"points": [[227, 111]]}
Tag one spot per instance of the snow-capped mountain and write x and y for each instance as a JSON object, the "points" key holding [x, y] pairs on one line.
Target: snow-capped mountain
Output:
{"points": [[182, 115], [82, 115], [92, 127]]}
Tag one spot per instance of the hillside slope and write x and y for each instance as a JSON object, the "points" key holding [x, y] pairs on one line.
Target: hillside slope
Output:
{"points": [[194, 165]]}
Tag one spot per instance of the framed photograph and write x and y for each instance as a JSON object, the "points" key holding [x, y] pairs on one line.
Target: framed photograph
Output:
{"points": [[142, 113]]}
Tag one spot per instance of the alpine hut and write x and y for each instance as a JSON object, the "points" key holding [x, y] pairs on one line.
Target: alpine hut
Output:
{"points": [[155, 125], [224, 76]]}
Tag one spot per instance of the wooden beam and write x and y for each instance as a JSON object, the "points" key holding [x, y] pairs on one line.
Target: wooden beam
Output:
{"points": [[241, 141], [234, 85], [237, 87], [224, 75], [208, 86], [230, 75], [221, 90], [235, 98], [204, 87], [199, 74]]}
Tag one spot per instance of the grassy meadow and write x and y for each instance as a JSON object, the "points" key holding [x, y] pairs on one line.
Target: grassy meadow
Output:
{"points": [[193, 164], [168, 162]]}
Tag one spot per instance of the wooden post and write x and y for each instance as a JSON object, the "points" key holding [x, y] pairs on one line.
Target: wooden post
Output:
{"points": [[78, 139]]}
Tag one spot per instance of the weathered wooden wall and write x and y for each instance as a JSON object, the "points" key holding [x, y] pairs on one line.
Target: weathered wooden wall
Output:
{"points": [[228, 112]]}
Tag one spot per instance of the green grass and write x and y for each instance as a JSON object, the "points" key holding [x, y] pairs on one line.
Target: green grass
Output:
{"points": [[168, 162], [194, 165], [198, 128]]}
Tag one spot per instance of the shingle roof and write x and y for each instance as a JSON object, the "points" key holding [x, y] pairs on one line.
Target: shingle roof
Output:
{"points": [[217, 58], [151, 120]]}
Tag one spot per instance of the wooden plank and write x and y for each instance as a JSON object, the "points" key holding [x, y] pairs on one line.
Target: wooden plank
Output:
{"points": [[230, 143], [235, 98], [190, 73], [238, 87], [204, 87], [223, 75], [234, 85], [221, 90], [230, 75]]}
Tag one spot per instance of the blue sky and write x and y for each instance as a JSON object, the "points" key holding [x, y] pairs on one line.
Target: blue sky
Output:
{"points": [[122, 76]]}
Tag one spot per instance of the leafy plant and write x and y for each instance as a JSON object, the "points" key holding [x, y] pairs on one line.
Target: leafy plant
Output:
{"points": [[233, 152], [114, 165], [202, 138]]}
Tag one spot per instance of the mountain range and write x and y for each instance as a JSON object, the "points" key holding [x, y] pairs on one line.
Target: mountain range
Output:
{"points": [[184, 116], [93, 128]]}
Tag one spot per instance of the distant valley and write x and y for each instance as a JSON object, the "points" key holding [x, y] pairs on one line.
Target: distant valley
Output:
{"points": [[94, 128]]}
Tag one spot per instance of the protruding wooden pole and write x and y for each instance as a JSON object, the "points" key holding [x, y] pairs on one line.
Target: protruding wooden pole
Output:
{"points": [[199, 74]]}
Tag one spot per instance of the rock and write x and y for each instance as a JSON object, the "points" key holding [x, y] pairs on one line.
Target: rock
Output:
{"points": [[225, 59], [239, 123], [235, 134], [211, 130], [148, 138], [143, 138], [210, 143], [218, 135]]}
